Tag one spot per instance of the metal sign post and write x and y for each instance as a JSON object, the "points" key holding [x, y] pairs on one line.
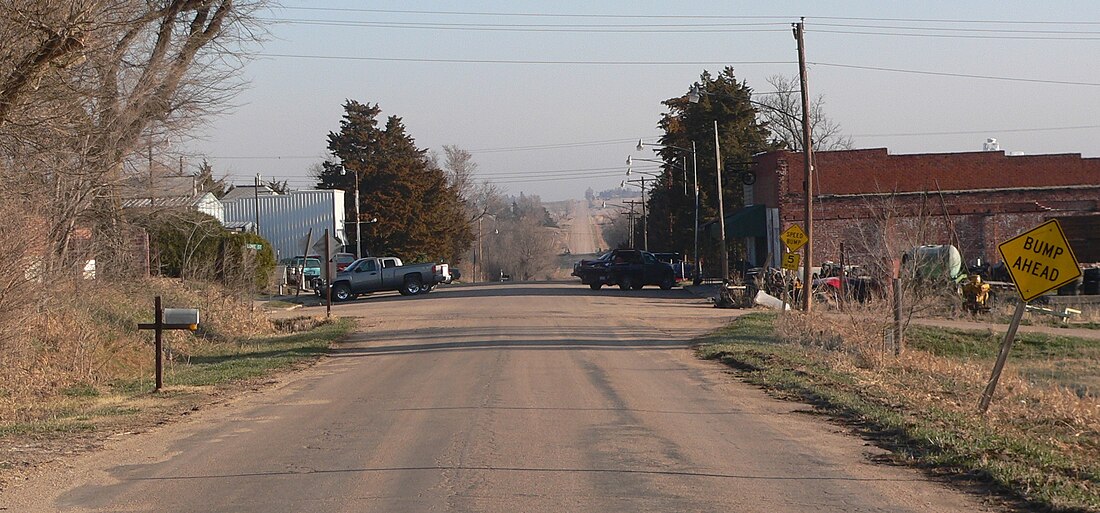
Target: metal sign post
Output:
{"points": [[1002, 357], [1039, 261], [328, 275], [168, 319]]}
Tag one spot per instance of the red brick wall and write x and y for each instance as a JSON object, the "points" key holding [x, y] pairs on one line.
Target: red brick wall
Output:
{"points": [[874, 170], [856, 200]]}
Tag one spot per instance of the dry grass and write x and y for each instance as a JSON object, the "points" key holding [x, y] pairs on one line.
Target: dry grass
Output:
{"points": [[1039, 442], [85, 335]]}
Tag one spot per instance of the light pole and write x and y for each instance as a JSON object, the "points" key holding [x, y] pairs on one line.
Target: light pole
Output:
{"points": [[358, 234], [695, 180]]}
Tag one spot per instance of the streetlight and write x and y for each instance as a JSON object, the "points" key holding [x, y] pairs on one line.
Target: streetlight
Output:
{"points": [[695, 179], [358, 234]]}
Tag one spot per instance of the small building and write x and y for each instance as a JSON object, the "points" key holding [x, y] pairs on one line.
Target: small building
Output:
{"points": [[167, 191], [880, 205], [285, 220]]}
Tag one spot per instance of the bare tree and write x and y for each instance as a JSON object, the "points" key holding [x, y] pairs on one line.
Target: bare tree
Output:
{"points": [[88, 83], [783, 113]]}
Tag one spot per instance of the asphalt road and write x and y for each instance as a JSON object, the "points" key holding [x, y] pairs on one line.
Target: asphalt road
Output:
{"points": [[505, 398]]}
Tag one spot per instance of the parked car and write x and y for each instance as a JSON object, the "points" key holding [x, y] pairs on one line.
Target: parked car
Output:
{"points": [[630, 269], [374, 274], [302, 270], [682, 269], [343, 260]]}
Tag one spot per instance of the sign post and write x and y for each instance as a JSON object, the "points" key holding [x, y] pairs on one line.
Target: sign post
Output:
{"points": [[1039, 261], [794, 238]]}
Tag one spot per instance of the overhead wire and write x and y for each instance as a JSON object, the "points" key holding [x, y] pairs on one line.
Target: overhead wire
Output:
{"points": [[708, 16]]}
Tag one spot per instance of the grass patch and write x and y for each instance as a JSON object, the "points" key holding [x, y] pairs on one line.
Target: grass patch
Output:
{"points": [[81, 390], [58, 427], [84, 408], [921, 407]]}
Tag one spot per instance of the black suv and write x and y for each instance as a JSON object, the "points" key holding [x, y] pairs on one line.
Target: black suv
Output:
{"points": [[630, 269]]}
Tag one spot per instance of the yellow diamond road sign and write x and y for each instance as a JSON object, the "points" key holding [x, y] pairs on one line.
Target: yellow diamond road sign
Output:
{"points": [[1040, 260], [793, 237]]}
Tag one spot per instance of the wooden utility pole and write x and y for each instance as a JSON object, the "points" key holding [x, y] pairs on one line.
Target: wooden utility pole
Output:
{"points": [[807, 155], [724, 253]]}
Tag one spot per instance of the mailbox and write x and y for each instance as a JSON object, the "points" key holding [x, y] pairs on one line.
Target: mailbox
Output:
{"points": [[184, 316]]}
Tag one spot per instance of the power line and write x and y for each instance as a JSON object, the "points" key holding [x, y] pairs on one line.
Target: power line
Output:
{"points": [[956, 29], [955, 75], [683, 63], [565, 172], [515, 27], [958, 36], [972, 132], [559, 145], [538, 15], [691, 16], [527, 61]]}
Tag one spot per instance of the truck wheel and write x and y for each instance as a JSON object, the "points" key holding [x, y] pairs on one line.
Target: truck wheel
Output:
{"points": [[411, 287], [637, 284], [626, 282], [595, 286], [341, 292], [666, 283]]}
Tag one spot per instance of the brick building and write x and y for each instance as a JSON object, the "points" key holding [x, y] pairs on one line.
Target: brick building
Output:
{"points": [[880, 204]]}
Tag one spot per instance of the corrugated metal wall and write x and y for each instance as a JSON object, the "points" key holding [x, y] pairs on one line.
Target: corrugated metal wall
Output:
{"points": [[286, 219]]}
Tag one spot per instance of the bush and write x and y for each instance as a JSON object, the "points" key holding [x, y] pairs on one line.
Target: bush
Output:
{"points": [[193, 245]]}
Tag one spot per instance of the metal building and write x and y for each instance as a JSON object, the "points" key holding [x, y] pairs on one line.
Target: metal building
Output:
{"points": [[285, 219]]}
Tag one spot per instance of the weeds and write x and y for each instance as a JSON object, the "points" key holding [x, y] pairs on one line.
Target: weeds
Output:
{"points": [[1040, 442]]}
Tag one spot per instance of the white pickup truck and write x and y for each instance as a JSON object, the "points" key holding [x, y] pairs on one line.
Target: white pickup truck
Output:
{"points": [[375, 274]]}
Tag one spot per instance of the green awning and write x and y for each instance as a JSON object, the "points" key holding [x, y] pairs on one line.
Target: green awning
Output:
{"points": [[751, 221]]}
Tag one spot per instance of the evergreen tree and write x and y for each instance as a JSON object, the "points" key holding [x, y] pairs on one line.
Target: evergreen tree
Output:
{"points": [[740, 133], [420, 213], [205, 181]]}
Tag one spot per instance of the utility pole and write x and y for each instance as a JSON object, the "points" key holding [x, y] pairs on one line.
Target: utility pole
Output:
{"points": [[478, 265], [721, 212], [630, 222], [807, 157], [695, 180], [256, 203], [645, 219]]}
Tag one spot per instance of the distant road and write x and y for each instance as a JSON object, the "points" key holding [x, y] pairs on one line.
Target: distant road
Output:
{"points": [[498, 398], [583, 235]]}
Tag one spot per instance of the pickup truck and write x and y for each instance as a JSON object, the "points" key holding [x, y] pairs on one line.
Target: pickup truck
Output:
{"points": [[627, 268], [375, 274], [302, 270]]}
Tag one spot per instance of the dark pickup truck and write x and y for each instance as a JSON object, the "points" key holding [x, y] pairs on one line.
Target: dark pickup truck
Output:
{"points": [[630, 269]]}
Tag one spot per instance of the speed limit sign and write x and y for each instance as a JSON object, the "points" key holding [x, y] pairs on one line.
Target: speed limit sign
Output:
{"points": [[791, 260]]}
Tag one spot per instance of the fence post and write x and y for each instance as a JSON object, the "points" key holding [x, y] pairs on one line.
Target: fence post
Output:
{"points": [[158, 339]]}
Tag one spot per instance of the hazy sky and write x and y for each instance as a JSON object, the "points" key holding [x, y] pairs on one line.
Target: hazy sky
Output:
{"points": [[593, 75]]}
